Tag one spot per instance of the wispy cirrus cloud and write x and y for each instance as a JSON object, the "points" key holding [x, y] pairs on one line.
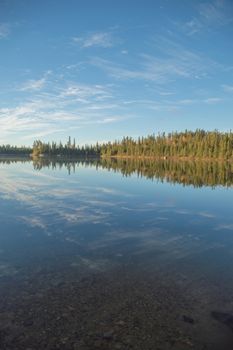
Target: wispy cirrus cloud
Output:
{"points": [[33, 120], [227, 88], [175, 63], [31, 192], [206, 214], [172, 59], [4, 30], [57, 107], [209, 14], [225, 227], [213, 100], [109, 120], [33, 84], [214, 11], [193, 26], [42, 134], [83, 92], [98, 39], [174, 104]]}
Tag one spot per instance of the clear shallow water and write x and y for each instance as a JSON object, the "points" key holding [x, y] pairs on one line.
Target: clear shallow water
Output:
{"points": [[90, 258]]}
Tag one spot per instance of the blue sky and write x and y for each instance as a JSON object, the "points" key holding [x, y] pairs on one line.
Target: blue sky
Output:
{"points": [[99, 70]]}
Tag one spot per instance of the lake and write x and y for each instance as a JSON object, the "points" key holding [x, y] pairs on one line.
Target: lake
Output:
{"points": [[116, 254]]}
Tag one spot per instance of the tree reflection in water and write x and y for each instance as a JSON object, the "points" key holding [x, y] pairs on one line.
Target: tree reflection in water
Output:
{"points": [[186, 172]]}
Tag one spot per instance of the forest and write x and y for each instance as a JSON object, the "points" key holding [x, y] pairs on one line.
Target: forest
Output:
{"points": [[69, 149], [191, 144], [198, 144], [15, 150]]}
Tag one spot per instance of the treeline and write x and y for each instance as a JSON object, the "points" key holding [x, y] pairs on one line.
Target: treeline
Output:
{"points": [[188, 144], [193, 144], [15, 150], [69, 149]]}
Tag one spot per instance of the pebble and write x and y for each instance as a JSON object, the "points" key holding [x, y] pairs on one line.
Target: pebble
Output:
{"points": [[188, 319], [120, 323], [108, 335]]}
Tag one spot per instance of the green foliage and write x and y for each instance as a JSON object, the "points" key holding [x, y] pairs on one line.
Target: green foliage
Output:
{"points": [[14, 150], [68, 150], [188, 144], [192, 144]]}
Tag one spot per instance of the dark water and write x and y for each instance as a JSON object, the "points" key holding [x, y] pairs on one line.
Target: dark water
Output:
{"points": [[116, 255]]}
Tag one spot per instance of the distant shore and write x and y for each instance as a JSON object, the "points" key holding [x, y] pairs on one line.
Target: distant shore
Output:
{"points": [[3, 155], [118, 157], [167, 158]]}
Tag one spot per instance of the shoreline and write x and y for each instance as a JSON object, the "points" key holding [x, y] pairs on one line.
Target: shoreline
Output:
{"points": [[117, 157], [167, 158]]}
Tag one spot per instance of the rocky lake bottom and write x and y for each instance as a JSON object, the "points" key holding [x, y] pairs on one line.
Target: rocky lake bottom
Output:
{"points": [[117, 309]]}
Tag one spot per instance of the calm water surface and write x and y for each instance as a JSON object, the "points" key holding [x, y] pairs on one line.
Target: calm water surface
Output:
{"points": [[93, 259]]}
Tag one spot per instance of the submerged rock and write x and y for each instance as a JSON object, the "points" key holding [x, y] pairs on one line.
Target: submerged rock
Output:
{"points": [[188, 319], [108, 335], [224, 318]]}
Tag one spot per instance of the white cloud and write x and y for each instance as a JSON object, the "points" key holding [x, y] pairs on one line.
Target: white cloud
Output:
{"points": [[33, 221], [43, 133], [206, 214], [59, 106], [172, 60], [176, 63], [36, 84], [166, 93], [193, 26], [174, 104], [108, 120], [212, 13], [187, 101], [225, 227], [33, 84], [84, 92], [99, 39], [212, 100], [228, 88], [4, 30]]}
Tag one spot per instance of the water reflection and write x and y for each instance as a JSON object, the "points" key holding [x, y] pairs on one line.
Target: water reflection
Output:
{"points": [[96, 243], [148, 214], [196, 173]]}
